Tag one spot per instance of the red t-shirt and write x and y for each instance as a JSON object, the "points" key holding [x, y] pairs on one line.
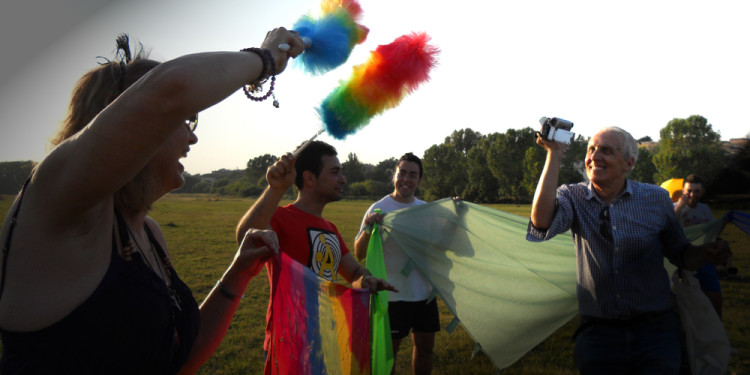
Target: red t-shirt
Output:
{"points": [[308, 239]]}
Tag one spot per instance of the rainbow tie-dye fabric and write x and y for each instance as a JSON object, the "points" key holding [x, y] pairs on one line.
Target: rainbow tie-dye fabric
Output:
{"points": [[319, 327]]}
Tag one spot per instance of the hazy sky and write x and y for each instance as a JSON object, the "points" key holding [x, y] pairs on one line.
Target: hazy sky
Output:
{"points": [[503, 64]]}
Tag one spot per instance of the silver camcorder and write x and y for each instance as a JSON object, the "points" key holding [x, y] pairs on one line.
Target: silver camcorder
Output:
{"points": [[556, 130]]}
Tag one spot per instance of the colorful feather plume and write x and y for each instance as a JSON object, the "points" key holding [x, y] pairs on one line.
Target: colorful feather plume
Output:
{"points": [[332, 36], [392, 72]]}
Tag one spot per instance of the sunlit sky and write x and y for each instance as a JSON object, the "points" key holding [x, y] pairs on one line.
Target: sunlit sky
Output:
{"points": [[503, 65]]}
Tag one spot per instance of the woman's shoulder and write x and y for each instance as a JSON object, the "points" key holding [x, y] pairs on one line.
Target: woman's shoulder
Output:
{"points": [[52, 262]]}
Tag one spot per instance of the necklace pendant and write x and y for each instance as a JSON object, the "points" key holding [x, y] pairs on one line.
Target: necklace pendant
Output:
{"points": [[175, 298]]}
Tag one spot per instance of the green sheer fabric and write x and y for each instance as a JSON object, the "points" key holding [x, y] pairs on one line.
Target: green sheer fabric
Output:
{"points": [[508, 293], [381, 346]]}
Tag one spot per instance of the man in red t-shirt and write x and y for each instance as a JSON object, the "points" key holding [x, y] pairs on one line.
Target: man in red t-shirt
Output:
{"points": [[303, 233]]}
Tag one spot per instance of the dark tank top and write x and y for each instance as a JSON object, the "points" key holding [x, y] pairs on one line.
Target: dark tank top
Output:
{"points": [[131, 324]]}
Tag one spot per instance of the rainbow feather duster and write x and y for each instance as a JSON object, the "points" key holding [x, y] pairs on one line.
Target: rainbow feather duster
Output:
{"points": [[392, 72], [332, 37]]}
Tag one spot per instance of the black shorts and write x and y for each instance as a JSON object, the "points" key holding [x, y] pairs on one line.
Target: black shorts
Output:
{"points": [[407, 316]]}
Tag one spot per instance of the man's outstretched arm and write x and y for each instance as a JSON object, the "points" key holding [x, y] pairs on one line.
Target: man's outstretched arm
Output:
{"points": [[280, 177]]}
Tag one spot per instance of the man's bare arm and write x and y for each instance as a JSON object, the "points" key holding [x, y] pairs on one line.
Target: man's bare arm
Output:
{"points": [[280, 177]]}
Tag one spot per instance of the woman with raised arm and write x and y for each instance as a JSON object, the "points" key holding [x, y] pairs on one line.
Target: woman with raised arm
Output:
{"points": [[86, 284]]}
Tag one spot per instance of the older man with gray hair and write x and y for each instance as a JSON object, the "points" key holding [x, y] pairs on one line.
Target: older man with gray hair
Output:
{"points": [[622, 231]]}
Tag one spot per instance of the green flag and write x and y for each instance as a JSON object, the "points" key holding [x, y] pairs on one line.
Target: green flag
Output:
{"points": [[381, 346]]}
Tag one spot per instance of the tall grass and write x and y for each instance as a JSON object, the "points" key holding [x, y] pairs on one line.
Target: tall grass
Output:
{"points": [[199, 230]]}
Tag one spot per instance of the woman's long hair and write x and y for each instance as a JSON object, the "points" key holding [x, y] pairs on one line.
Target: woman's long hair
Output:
{"points": [[94, 92]]}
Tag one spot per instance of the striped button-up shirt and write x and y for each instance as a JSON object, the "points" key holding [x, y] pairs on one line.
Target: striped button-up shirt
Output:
{"points": [[620, 247]]}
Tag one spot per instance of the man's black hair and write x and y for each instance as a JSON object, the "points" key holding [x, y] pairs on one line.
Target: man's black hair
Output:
{"points": [[311, 159], [412, 158]]}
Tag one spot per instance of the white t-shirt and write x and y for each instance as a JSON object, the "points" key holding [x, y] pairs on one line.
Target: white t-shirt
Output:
{"points": [[693, 216], [413, 287]]}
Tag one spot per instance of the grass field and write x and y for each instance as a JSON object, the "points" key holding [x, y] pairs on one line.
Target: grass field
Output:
{"points": [[200, 233]]}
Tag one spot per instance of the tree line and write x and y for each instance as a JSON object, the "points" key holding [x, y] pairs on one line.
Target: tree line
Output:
{"points": [[505, 167], [492, 168]]}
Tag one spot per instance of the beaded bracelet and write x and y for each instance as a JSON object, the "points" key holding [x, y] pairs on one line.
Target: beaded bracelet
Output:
{"points": [[224, 292], [269, 68]]}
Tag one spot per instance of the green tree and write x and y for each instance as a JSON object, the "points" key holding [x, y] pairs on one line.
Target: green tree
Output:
{"points": [[533, 164], [190, 182], [444, 172], [735, 179], [378, 188], [688, 146], [356, 189], [383, 172], [202, 187], [572, 169], [257, 167], [644, 169], [505, 161], [367, 171], [353, 169], [482, 185], [463, 139], [368, 189]]}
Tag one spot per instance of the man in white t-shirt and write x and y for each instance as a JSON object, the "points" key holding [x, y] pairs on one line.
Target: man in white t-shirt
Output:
{"points": [[409, 310]]}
